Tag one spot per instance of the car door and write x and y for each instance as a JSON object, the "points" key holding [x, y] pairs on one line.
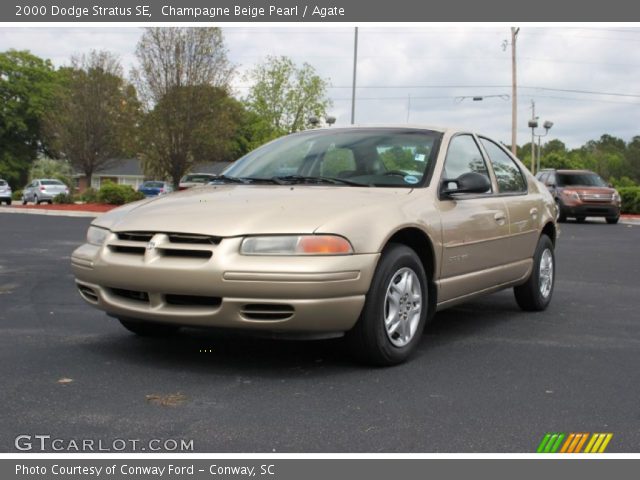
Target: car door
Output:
{"points": [[523, 209], [28, 192], [475, 229]]}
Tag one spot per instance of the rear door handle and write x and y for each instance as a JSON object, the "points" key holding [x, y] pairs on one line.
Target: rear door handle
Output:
{"points": [[500, 218]]}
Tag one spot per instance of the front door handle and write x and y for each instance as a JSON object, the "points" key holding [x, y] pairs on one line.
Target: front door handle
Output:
{"points": [[500, 218]]}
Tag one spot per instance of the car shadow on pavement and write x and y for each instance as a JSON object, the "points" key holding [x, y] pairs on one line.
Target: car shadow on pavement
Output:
{"points": [[216, 351]]}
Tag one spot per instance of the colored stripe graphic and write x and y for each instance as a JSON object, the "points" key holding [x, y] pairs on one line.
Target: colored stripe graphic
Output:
{"points": [[573, 443]]}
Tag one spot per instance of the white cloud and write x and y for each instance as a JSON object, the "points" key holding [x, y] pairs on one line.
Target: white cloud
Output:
{"points": [[600, 60]]}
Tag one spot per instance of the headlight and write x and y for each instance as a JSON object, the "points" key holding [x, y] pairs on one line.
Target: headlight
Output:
{"points": [[616, 197], [572, 194], [97, 236], [296, 245]]}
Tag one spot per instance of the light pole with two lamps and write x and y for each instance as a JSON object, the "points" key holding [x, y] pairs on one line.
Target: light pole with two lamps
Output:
{"points": [[533, 124]]}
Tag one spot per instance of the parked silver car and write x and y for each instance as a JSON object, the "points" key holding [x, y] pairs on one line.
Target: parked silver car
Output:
{"points": [[43, 190], [5, 192]]}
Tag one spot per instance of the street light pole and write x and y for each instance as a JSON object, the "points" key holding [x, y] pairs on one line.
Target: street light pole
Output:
{"points": [[353, 88], [514, 92], [533, 123]]}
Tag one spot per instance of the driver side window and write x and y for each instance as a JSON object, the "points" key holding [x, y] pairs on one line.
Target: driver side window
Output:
{"points": [[464, 156]]}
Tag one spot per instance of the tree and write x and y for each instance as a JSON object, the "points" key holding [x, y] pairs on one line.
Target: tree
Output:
{"points": [[183, 80], [50, 168], [96, 114], [27, 87], [286, 96], [176, 137]]}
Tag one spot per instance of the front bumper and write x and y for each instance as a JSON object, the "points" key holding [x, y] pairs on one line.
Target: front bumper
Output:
{"points": [[591, 210], [278, 293]]}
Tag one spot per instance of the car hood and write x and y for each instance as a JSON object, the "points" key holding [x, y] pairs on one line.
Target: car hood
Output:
{"points": [[234, 210]]}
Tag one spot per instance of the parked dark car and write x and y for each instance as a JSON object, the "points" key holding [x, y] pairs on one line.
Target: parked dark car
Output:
{"points": [[153, 188], [581, 193]]}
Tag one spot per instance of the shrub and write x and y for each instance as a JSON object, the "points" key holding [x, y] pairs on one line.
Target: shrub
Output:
{"points": [[63, 198], [16, 195], [90, 195], [114, 194], [630, 199]]}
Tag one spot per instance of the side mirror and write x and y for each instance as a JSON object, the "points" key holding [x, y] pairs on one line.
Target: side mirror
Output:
{"points": [[470, 182]]}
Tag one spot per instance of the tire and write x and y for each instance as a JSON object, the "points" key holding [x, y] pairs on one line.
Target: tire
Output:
{"points": [[9, 202], [148, 329], [24, 200], [534, 295], [613, 220], [399, 276]]}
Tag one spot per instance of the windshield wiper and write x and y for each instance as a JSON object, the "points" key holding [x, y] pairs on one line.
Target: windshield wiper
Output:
{"points": [[229, 179], [311, 179]]}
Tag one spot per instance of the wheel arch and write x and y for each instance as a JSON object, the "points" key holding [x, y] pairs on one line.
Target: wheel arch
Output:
{"points": [[420, 242]]}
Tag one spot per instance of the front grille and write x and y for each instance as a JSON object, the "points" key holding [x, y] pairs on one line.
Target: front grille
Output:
{"points": [[127, 249], [170, 252], [193, 239], [176, 245], [131, 295], [597, 197], [267, 311], [135, 236]]}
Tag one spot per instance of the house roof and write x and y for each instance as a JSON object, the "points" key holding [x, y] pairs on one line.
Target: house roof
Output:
{"points": [[132, 167]]}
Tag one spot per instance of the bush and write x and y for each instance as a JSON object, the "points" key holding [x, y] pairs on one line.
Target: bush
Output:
{"points": [[16, 195], [63, 198], [118, 194], [90, 195], [630, 199]]}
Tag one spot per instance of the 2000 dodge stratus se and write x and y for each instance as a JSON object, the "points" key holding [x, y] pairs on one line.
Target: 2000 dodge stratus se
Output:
{"points": [[363, 231]]}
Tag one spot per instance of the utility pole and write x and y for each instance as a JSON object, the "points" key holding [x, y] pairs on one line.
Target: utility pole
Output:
{"points": [[355, 65], [514, 92]]}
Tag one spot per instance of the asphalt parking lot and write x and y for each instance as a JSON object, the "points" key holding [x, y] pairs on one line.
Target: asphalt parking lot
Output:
{"points": [[487, 377]]}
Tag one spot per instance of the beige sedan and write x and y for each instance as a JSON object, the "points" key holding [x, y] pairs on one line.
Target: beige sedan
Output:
{"points": [[360, 231]]}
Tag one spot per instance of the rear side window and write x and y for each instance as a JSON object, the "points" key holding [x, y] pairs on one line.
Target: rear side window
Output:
{"points": [[2, 183], [508, 175]]}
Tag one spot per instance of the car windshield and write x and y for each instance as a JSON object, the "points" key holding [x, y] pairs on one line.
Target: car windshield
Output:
{"points": [[51, 182], [580, 179], [368, 157], [153, 184], [198, 178]]}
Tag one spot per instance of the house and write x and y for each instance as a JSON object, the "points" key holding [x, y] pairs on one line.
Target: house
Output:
{"points": [[129, 172]]}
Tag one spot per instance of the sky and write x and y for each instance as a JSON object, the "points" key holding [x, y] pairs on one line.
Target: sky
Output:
{"points": [[425, 75]]}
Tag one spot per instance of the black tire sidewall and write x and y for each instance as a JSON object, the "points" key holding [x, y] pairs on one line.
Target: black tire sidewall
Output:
{"points": [[543, 244], [393, 259]]}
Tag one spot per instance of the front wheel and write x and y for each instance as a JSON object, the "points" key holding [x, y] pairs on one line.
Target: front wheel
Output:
{"points": [[395, 311], [24, 200], [148, 329], [535, 293], [613, 220]]}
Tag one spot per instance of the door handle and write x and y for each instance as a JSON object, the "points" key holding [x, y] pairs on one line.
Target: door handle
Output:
{"points": [[534, 213], [500, 218]]}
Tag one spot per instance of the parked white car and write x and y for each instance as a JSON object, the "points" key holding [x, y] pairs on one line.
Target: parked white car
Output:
{"points": [[43, 190]]}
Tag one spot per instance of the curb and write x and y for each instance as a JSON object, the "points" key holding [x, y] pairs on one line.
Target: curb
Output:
{"points": [[55, 213]]}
